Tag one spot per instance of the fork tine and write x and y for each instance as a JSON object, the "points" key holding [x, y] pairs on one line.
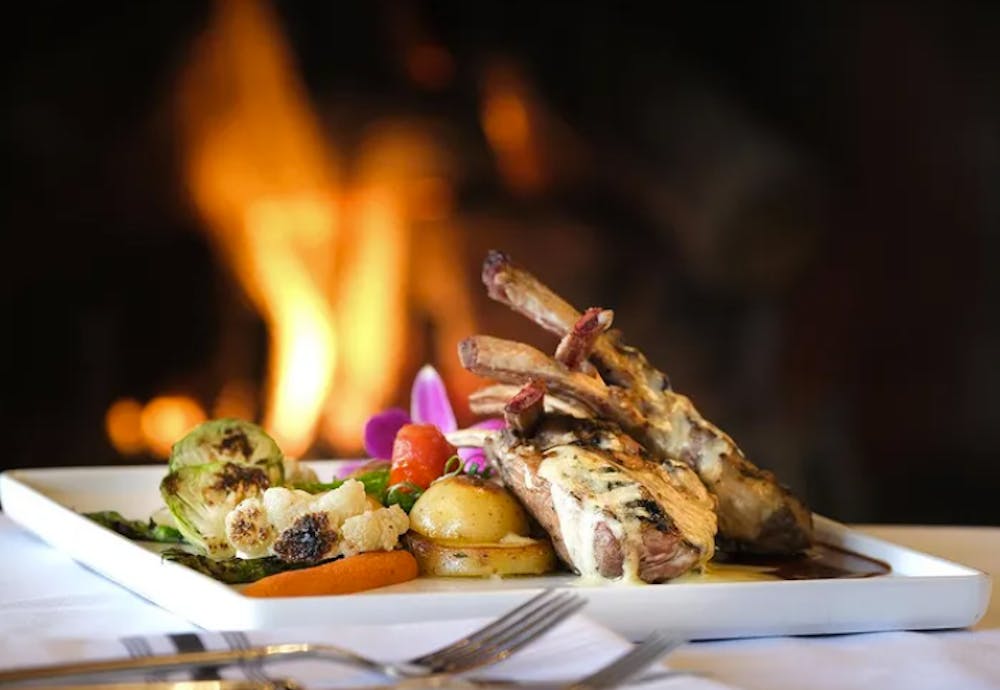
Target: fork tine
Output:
{"points": [[513, 616], [513, 620], [502, 648], [629, 664], [507, 640], [498, 633]]}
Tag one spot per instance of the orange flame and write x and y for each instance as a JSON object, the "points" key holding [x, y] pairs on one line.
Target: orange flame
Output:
{"points": [[328, 266], [261, 175]]}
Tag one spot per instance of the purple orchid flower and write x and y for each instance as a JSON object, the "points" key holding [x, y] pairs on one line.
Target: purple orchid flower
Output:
{"points": [[429, 404]]}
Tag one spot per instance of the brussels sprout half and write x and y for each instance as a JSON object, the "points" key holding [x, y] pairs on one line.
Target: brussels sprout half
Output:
{"points": [[230, 440], [200, 496]]}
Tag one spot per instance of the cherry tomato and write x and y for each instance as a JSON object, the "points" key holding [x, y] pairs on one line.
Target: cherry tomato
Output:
{"points": [[419, 454]]}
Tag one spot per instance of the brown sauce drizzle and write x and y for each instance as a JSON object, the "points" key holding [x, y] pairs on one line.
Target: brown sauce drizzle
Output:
{"points": [[821, 562]]}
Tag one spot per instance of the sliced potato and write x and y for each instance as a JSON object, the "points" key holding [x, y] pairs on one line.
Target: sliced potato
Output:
{"points": [[468, 509], [455, 559]]}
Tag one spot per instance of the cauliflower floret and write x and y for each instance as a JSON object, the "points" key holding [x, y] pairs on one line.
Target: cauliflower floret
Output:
{"points": [[376, 530], [248, 529], [343, 502], [300, 527]]}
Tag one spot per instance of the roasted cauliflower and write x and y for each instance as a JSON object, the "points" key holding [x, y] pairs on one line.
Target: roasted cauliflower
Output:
{"points": [[299, 527]]}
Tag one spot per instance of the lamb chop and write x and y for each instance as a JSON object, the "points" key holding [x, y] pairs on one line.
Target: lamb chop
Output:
{"points": [[756, 513], [611, 512]]}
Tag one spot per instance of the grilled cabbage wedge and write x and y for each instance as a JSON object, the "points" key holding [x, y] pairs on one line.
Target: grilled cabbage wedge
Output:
{"points": [[230, 440], [201, 496], [213, 468]]}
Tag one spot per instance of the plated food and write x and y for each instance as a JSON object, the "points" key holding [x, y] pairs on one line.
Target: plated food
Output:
{"points": [[598, 466], [626, 476], [595, 373]]}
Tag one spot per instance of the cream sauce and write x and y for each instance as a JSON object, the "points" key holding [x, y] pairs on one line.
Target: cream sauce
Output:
{"points": [[587, 490]]}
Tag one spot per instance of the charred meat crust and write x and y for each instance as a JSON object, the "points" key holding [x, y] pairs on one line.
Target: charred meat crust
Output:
{"points": [[662, 551]]}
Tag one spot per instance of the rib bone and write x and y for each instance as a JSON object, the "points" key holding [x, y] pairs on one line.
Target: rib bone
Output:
{"points": [[489, 401], [508, 361], [524, 410], [619, 364]]}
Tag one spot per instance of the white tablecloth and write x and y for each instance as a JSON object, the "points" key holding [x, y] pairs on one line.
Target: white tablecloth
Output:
{"points": [[44, 594]]}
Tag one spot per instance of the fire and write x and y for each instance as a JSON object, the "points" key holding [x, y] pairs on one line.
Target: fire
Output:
{"points": [[299, 317], [260, 174], [322, 246], [372, 301]]}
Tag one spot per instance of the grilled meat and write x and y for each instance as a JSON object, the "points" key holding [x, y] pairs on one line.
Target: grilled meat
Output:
{"points": [[610, 510], [756, 513], [491, 400]]}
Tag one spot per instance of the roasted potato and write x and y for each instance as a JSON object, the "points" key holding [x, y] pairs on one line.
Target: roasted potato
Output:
{"points": [[518, 556], [468, 509]]}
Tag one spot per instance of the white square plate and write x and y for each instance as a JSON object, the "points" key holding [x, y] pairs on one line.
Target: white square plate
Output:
{"points": [[920, 592]]}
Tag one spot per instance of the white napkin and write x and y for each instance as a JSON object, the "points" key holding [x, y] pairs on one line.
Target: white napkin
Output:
{"points": [[573, 649]]}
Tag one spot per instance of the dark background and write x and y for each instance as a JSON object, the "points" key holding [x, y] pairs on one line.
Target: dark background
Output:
{"points": [[793, 208]]}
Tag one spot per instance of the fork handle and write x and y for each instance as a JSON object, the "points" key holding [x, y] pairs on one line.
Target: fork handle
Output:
{"points": [[168, 662]]}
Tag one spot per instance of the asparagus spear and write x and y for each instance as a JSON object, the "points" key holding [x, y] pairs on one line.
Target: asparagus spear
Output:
{"points": [[232, 571], [139, 530]]}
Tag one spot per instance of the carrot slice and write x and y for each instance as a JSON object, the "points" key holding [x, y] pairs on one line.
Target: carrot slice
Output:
{"points": [[344, 576]]}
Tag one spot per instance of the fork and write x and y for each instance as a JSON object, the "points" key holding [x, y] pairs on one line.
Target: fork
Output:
{"points": [[630, 664], [484, 647], [612, 675], [490, 644]]}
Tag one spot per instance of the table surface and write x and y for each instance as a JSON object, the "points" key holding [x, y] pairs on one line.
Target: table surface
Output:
{"points": [[43, 592]]}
